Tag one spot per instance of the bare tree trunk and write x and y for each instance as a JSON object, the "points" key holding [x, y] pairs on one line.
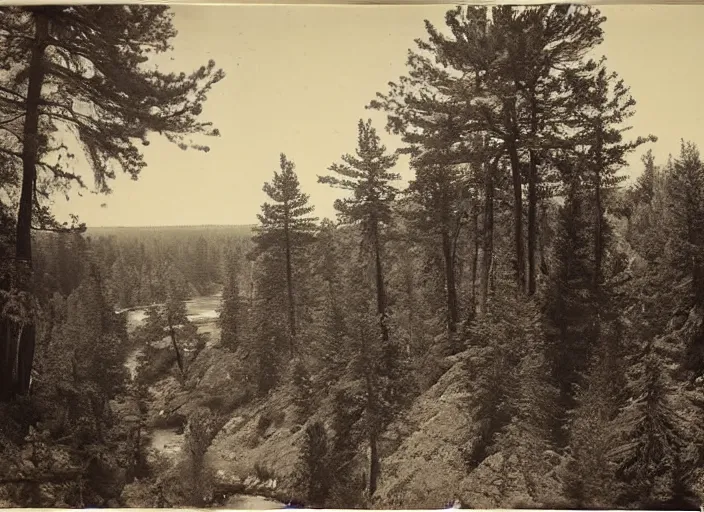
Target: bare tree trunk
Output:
{"points": [[20, 375]]}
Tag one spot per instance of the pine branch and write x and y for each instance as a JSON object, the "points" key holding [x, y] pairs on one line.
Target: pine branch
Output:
{"points": [[11, 119], [12, 93]]}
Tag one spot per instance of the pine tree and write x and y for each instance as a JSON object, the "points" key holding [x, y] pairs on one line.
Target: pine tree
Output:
{"points": [[328, 352], [314, 473], [63, 56], [367, 175], [591, 479], [268, 328], [419, 309], [284, 232], [232, 307], [571, 304], [512, 398], [578, 301], [645, 184], [345, 490], [174, 314], [645, 207], [198, 437], [531, 407], [602, 103], [440, 194], [495, 74], [171, 319], [685, 186], [81, 367], [651, 434]]}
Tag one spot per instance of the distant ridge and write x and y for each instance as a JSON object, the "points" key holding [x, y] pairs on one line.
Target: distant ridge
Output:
{"points": [[236, 230]]}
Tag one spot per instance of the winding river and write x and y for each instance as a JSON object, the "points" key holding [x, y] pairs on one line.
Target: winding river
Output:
{"points": [[202, 311]]}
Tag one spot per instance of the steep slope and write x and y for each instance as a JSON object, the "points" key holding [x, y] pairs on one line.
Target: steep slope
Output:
{"points": [[427, 469]]}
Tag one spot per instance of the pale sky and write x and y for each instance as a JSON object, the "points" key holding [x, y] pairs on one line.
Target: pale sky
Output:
{"points": [[299, 77]]}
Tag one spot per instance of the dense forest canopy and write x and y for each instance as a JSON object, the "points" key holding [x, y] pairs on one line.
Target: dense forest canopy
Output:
{"points": [[515, 327]]}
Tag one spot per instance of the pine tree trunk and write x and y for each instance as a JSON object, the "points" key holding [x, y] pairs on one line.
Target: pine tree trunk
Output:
{"points": [[532, 221], [411, 310], [492, 275], [487, 239], [374, 463], [8, 357], [475, 256], [136, 454], [451, 286], [380, 289], [542, 235], [372, 414], [598, 242], [289, 287], [517, 215], [532, 199], [599, 215], [179, 361], [30, 152]]}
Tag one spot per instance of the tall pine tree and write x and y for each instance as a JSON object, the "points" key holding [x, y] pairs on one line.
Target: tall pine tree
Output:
{"points": [[286, 229], [367, 175]]}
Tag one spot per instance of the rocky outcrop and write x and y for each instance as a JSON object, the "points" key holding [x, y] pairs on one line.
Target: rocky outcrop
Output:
{"points": [[261, 440], [427, 466]]}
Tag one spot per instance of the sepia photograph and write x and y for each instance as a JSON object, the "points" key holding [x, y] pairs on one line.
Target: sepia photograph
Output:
{"points": [[351, 256]]}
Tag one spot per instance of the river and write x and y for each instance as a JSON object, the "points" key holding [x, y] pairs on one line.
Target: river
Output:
{"points": [[202, 311], [199, 310]]}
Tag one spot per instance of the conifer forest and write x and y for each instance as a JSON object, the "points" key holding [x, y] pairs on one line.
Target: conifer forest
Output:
{"points": [[519, 324]]}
